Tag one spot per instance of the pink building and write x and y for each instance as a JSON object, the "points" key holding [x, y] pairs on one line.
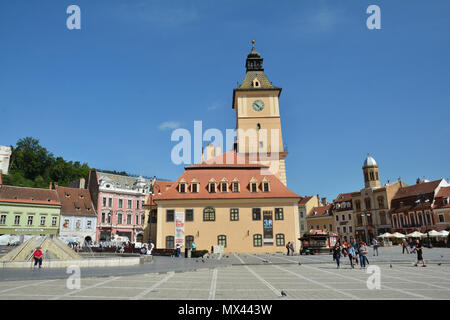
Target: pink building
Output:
{"points": [[119, 202]]}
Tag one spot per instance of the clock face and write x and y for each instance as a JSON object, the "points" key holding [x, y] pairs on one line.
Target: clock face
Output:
{"points": [[258, 105]]}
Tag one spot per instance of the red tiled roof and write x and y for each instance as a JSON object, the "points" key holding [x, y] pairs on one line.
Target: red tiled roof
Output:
{"points": [[320, 211], [304, 200], [244, 173], [229, 159], [443, 193], [417, 189], [343, 197], [163, 187], [75, 201], [28, 195]]}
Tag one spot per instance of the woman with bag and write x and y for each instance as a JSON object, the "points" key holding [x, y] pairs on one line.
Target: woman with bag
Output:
{"points": [[337, 254]]}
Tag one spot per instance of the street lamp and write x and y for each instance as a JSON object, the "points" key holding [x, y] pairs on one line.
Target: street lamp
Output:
{"points": [[366, 224], [422, 199], [110, 222], [152, 193]]}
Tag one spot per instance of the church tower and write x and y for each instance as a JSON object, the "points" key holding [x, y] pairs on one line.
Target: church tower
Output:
{"points": [[371, 173], [258, 123]]}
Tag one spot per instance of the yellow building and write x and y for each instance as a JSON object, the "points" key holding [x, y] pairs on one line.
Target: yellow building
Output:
{"points": [[371, 205], [258, 122], [231, 205], [321, 218], [305, 207]]}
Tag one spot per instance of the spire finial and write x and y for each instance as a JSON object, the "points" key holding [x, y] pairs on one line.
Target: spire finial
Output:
{"points": [[253, 44]]}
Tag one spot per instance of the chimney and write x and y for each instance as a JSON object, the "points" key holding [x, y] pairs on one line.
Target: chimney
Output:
{"points": [[209, 151], [324, 201], [418, 181]]}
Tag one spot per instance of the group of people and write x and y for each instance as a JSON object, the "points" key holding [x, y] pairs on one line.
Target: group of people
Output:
{"points": [[356, 251]]}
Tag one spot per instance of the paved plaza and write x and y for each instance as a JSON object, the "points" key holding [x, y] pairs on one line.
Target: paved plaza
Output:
{"points": [[243, 277]]}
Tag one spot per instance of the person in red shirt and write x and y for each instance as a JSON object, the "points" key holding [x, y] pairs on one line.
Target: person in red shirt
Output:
{"points": [[37, 255]]}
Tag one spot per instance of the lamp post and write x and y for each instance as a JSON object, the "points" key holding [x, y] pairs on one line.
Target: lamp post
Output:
{"points": [[110, 222], [152, 193], [422, 199], [366, 224]]}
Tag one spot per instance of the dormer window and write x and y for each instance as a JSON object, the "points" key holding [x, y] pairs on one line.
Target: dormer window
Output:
{"points": [[224, 186], [235, 185], [256, 83], [182, 187], [265, 185], [194, 187], [254, 187], [212, 186]]}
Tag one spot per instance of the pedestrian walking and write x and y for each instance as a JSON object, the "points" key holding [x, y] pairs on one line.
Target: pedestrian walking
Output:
{"points": [[356, 245], [291, 246], [178, 250], [37, 256], [375, 246], [362, 255], [351, 254], [418, 248], [405, 246], [337, 254], [288, 247]]}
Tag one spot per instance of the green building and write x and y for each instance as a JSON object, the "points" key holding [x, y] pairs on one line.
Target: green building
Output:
{"points": [[29, 211]]}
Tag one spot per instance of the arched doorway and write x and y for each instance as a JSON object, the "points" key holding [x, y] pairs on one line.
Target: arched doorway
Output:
{"points": [[88, 240], [140, 237]]}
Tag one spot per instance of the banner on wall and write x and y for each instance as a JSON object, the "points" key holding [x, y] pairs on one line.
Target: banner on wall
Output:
{"points": [[179, 228], [268, 227]]}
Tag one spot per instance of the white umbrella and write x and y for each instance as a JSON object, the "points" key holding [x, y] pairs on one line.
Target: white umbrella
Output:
{"points": [[415, 234], [386, 235], [433, 233], [398, 235], [444, 233]]}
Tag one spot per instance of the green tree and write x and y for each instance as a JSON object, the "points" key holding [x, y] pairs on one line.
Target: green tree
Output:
{"points": [[32, 165]]}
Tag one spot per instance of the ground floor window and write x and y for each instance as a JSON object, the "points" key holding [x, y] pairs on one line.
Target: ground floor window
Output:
{"points": [[257, 240], [280, 239], [189, 240], [170, 242], [441, 218], [222, 240]]}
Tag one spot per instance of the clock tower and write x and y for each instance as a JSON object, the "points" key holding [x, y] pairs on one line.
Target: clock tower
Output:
{"points": [[258, 123]]}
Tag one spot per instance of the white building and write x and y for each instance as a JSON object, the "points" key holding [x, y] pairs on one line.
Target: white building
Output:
{"points": [[5, 155], [78, 215]]}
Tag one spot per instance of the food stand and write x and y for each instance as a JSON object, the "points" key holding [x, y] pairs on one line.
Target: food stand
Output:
{"points": [[318, 241]]}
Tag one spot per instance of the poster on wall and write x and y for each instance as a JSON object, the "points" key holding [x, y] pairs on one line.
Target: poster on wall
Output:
{"points": [[179, 228], [268, 227]]}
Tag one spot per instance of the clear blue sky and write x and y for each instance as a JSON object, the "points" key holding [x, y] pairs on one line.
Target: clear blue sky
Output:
{"points": [[101, 94]]}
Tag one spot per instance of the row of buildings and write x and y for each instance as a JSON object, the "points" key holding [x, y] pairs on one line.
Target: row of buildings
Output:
{"points": [[238, 199], [376, 209]]}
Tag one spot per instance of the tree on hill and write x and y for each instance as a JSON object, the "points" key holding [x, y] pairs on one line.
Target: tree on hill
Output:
{"points": [[32, 165]]}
